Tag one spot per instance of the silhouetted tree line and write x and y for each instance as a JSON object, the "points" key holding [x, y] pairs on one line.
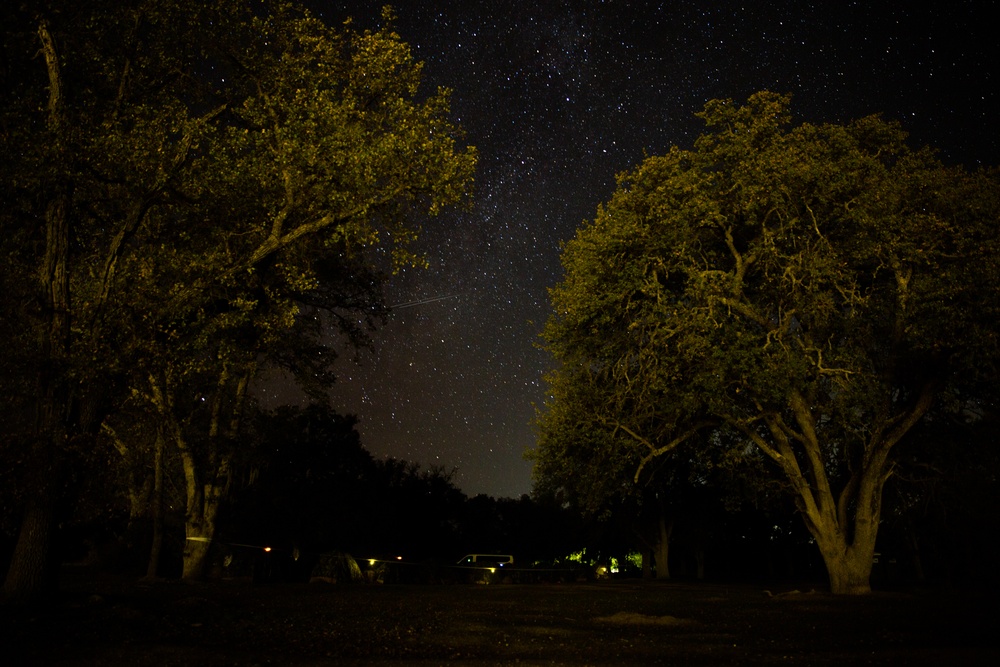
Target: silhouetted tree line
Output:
{"points": [[308, 487]]}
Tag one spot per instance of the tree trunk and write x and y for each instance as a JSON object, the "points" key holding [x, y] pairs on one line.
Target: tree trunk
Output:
{"points": [[156, 508], [30, 576], [844, 527], [849, 570], [848, 563], [647, 564], [662, 554], [206, 472], [848, 546], [199, 529], [198, 542], [915, 559]]}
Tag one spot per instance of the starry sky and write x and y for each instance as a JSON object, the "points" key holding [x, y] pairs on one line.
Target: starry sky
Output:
{"points": [[561, 95]]}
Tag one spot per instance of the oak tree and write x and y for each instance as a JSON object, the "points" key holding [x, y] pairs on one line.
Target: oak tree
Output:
{"points": [[808, 292], [191, 184]]}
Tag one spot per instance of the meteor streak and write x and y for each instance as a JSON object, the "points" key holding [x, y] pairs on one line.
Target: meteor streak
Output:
{"points": [[420, 302]]}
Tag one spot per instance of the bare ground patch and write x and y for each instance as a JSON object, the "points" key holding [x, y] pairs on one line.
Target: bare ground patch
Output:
{"points": [[633, 618], [113, 621]]}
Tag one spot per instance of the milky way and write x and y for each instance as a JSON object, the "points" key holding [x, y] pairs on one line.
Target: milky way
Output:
{"points": [[559, 97]]}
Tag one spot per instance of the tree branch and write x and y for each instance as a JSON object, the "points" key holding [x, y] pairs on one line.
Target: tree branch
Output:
{"points": [[923, 403], [810, 443], [55, 78], [140, 209], [655, 451]]}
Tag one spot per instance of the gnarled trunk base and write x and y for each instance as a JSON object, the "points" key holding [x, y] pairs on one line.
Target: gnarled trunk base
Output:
{"points": [[850, 575], [849, 567]]}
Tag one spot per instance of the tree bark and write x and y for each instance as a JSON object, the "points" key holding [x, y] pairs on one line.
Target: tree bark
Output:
{"points": [[845, 527], [29, 575], [846, 542], [846, 538], [662, 554], [647, 564], [199, 524], [199, 532], [849, 569], [156, 509], [206, 474]]}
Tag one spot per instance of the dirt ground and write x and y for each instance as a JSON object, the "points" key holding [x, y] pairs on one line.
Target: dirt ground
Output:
{"points": [[119, 621]]}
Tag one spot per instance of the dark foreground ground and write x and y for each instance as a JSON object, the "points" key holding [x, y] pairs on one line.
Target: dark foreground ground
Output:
{"points": [[116, 621]]}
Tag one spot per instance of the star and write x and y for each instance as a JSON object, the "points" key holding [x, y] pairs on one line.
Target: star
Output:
{"points": [[559, 97]]}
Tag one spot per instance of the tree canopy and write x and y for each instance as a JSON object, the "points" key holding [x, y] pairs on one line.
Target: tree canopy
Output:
{"points": [[808, 291], [190, 187]]}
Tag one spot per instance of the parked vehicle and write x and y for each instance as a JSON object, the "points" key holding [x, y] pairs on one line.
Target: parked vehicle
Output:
{"points": [[487, 560]]}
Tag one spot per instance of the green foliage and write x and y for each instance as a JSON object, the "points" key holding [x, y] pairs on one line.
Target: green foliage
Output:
{"points": [[230, 174], [224, 165], [808, 289], [220, 157]]}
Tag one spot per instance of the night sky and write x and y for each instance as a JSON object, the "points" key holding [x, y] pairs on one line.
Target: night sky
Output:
{"points": [[561, 96]]}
